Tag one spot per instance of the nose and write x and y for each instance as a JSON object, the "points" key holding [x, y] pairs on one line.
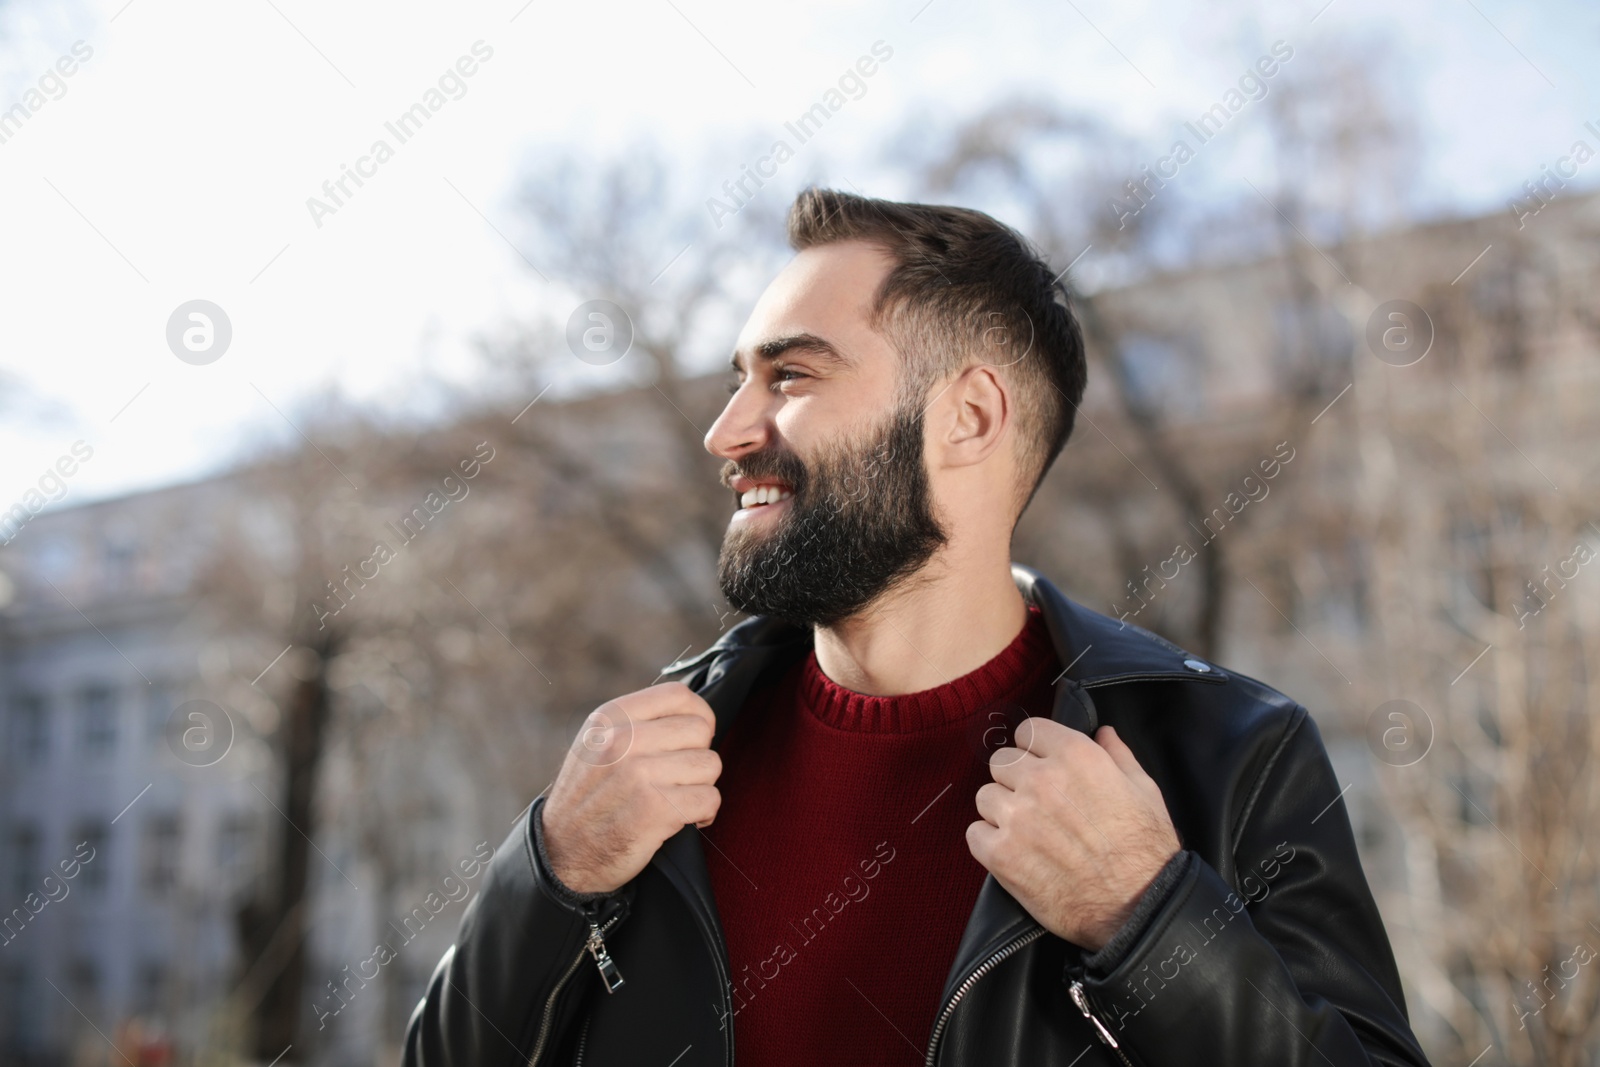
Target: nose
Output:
{"points": [[743, 427]]}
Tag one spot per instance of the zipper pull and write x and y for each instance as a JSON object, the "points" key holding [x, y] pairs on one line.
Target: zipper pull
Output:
{"points": [[602, 959], [1081, 999]]}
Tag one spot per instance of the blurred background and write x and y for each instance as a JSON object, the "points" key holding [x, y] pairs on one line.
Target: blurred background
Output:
{"points": [[327, 510]]}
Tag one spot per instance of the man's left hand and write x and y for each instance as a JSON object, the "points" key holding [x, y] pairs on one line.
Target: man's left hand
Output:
{"points": [[1073, 828]]}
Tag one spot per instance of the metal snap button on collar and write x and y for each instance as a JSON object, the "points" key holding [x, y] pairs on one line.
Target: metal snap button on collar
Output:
{"points": [[1197, 665]]}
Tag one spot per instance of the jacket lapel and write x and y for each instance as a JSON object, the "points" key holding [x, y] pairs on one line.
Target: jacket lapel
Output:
{"points": [[996, 917], [1095, 651], [736, 660]]}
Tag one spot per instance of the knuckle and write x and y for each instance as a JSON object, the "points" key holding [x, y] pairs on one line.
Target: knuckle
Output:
{"points": [[706, 714], [1010, 757], [697, 766], [588, 743]]}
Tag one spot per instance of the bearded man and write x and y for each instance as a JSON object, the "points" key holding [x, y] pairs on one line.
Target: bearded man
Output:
{"points": [[920, 807]]}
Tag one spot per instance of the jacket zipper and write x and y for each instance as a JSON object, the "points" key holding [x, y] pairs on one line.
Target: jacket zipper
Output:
{"points": [[595, 946], [583, 1040], [602, 960], [1080, 997], [982, 969]]}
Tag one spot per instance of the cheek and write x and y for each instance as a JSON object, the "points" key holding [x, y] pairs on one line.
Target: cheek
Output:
{"points": [[799, 423]]}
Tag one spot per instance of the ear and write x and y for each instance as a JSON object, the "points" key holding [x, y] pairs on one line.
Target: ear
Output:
{"points": [[975, 411]]}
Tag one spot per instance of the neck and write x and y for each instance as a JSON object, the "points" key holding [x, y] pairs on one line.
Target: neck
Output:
{"points": [[951, 618]]}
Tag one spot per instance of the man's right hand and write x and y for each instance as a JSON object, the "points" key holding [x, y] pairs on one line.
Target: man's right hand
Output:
{"points": [[640, 769]]}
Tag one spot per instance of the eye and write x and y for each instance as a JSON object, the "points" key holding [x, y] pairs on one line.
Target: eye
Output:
{"points": [[733, 387], [779, 378]]}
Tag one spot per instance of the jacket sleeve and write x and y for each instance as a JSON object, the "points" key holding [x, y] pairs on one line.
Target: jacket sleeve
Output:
{"points": [[1296, 971], [513, 980]]}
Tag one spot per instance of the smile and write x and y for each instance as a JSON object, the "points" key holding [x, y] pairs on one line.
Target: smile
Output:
{"points": [[762, 500], [762, 495]]}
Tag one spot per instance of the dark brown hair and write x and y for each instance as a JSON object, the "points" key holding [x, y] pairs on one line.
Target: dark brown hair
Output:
{"points": [[965, 288]]}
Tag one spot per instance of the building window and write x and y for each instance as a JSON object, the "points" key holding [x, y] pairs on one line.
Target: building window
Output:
{"points": [[83, 978], [97, 720], [20, 1010], [22, 859], [119, 560], [162, 838], [1313, 346], [150, 995], [159, 703], [236, 855], [96, 836], [57, 561], [30, 727]]}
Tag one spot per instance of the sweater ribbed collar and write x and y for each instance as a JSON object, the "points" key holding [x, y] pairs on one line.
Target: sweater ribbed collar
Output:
{"points": [[1006, 677]]}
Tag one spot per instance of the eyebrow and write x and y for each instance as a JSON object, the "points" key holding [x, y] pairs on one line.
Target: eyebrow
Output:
{"points": [[808, 343]]}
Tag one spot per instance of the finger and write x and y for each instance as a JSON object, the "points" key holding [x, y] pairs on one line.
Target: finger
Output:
{"points": [[671, 733], [659, 701], [993, 801], [692, 804], [1042, 736], [1009, 766], [690, 766], [981, 839], [1120, 754]]}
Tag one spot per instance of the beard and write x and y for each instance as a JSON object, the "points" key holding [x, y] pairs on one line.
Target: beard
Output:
{"points": [[859, 523]]}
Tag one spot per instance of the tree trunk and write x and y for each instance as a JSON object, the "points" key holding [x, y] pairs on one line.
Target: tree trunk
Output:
{"points": [[279, 915]]}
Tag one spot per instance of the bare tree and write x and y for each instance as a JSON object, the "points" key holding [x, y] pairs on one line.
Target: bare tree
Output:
{"points": [[430, 687]]}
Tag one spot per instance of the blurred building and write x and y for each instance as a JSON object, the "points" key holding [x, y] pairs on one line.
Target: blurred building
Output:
{"points": [[97, 650], [140, 805]]}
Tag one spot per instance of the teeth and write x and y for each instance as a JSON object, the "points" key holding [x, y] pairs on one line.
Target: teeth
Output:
{"points": [[763, 494]]}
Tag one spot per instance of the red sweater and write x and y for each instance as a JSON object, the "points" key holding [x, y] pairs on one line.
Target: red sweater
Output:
{"points": [[839, 858]]}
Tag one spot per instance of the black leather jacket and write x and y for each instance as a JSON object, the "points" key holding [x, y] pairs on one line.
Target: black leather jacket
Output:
{"points": [[1264, 946]]}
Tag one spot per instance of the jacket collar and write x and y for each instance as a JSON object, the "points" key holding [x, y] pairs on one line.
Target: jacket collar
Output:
{"points": [[1096, 649]]}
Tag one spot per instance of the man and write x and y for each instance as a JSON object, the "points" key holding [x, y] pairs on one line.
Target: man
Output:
{"points": [[884, 820]]}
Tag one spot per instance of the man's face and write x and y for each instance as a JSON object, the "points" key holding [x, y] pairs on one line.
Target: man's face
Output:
{"points": [[814, 426]]}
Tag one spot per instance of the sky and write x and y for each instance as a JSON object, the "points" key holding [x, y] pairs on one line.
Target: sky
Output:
{"points": [[179, 159]]}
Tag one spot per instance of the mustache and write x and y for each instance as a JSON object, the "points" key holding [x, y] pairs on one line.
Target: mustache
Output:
{"points": [[784, 466]]}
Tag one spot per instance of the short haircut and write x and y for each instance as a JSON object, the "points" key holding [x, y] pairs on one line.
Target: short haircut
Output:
{"points": [[965, 288]]}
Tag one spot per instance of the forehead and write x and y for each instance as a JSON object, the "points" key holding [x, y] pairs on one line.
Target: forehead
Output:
{"points": [[824, 292]]}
